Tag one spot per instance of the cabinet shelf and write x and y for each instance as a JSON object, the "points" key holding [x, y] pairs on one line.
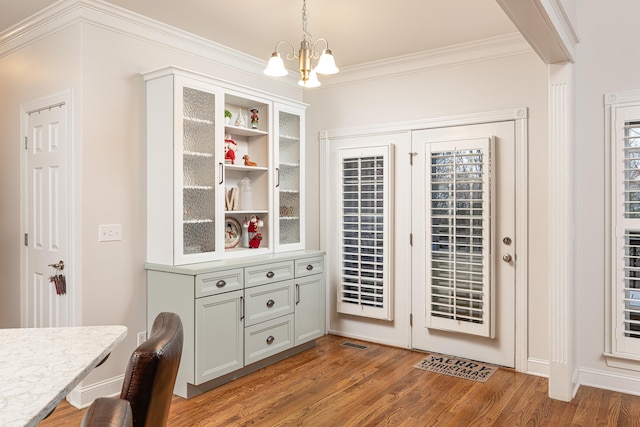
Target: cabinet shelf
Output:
{"points": [[199, 187], [235, 130], [289, 191], [290, 138], [247, 212], [243, 168], [197, 221], [197, 120], [197, 154], [289, 164], [290, 218]]}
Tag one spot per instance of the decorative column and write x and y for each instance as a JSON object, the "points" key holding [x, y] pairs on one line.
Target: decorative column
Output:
{"points": [[563, 375]]}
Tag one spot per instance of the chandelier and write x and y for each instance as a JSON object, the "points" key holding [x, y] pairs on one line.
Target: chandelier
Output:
{"points": [[308, 74]]}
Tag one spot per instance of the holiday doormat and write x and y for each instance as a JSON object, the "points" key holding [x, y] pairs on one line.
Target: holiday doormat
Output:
{"points": [[461, 368]]}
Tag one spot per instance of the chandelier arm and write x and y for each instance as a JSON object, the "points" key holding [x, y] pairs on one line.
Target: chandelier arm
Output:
{"points": [[314, 52], [290, 56]]}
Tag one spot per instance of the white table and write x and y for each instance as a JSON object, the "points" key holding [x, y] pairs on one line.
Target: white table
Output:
{"points": [[40, 366]]}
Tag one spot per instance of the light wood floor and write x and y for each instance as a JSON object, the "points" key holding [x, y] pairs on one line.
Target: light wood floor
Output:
{"points": [[333, 385]]}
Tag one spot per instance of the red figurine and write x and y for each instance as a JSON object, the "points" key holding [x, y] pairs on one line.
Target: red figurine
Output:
{"points": [[255, 241]]}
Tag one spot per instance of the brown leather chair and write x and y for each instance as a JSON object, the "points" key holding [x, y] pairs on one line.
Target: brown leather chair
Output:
{"points": [[148, 382]]}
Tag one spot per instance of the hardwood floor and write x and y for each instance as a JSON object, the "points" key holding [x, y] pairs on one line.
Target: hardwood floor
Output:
{"points": [[334, 385]]}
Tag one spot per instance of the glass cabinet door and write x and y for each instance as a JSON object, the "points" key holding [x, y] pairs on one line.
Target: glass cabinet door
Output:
{"points": [[289, 180], [199, 181]]}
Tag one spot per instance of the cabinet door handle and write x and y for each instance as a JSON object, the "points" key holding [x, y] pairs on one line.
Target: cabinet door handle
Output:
{"points": [[309, 267], [271, 274], [241, 308], [221, 166], [277, 177], [270, 339], [297, 294], [270, 303], [221, 283]]}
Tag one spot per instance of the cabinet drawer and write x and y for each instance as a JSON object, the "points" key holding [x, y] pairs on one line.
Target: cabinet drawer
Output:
{"points": [[267, 302], [268, 273], [219, 282], [268, 338], [309, 266]]}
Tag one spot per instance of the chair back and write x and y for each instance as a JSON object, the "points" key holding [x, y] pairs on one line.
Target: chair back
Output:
{"points": [[152, 370]]}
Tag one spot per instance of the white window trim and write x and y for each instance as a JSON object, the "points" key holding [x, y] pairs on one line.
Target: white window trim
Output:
{"points": [[615, 356]]}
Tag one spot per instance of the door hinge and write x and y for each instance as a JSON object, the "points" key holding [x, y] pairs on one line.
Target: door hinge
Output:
{"points": [[410, 239], [26, 143], [410, 319], [26, 239], [411, 157]]}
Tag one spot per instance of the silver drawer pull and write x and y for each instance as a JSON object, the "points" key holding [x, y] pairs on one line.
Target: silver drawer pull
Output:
{"points": [[270, 303], [221, 283], [309, 267], [270, 339], [271, 274]]}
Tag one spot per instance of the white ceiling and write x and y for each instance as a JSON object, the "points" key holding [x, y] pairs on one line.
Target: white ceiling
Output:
{"points": [[359, 31]]}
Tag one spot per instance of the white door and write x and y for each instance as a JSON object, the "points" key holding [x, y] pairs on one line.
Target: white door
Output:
{"points": [[463, 224], [46, 239]]}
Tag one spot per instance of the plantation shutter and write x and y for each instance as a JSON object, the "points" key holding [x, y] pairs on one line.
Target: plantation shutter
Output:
{"points": [[365, 233], [626, 206], [460, 293]]}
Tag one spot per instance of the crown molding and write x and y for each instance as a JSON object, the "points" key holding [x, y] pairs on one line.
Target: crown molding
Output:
{"points": [[66, 13], [459, 54]]}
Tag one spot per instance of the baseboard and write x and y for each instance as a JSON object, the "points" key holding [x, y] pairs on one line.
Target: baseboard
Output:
{"points": [[82, 396], [538, 367], [368, 339], [610, 381]]}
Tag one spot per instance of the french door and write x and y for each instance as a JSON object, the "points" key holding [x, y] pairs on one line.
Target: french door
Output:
{"points": [[463, 226]]}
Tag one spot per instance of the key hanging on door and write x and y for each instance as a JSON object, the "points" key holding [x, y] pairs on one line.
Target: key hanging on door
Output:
{"points": [[58, 278]]}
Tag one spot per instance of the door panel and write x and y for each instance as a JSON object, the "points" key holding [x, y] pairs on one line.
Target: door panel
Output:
{"points": [[47, 201], [462, 228]]}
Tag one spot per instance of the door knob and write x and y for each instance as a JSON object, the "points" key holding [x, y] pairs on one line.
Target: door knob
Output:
{"points": [[58, 265], [507, 258]]}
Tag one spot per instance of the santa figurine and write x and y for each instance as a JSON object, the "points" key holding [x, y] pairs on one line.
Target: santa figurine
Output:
{"points": [[255, 223], [230, 148]]}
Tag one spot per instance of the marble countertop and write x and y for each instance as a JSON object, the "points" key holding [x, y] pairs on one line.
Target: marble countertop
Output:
{"points": [[40, 366]]}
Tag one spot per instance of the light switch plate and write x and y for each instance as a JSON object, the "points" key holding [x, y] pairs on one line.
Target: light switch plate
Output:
{"points": [[110, 232]]}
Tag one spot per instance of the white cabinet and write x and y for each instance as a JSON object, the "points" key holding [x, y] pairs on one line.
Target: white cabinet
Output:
{"points": [[184, 165], [215, 190], [219, 330], [310, 305], [289, 186], [240, 314]]}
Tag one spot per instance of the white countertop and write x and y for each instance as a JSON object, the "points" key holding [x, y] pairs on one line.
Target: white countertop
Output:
{"points": [[40, 366]]}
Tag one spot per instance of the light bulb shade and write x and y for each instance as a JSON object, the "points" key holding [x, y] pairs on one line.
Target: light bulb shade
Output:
{"points": [[275, 67], [326, 63], [312, 81]]}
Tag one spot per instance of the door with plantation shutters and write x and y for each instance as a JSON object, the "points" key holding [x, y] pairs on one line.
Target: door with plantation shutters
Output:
{"points": [[463, 222], [365, 218]]}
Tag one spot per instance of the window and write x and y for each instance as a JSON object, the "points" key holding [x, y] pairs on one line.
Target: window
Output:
{"points": [[459, 182], [365, 217], [625, 203]]}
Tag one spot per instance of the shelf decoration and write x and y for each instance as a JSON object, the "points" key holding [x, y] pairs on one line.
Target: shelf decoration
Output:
{"points": [[230, 148], [240, 122], [231, 199], [253, 229], [246, 198], [248, 162], [232, 232], [254, 118]]}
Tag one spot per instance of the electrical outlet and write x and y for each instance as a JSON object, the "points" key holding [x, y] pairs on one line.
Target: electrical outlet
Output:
{"points": [[142, 337], [110, 232]]}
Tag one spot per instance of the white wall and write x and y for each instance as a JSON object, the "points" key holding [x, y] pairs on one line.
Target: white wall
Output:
{"points": [[48, 67], [103, 68], [502, 83], [607, 62]]}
